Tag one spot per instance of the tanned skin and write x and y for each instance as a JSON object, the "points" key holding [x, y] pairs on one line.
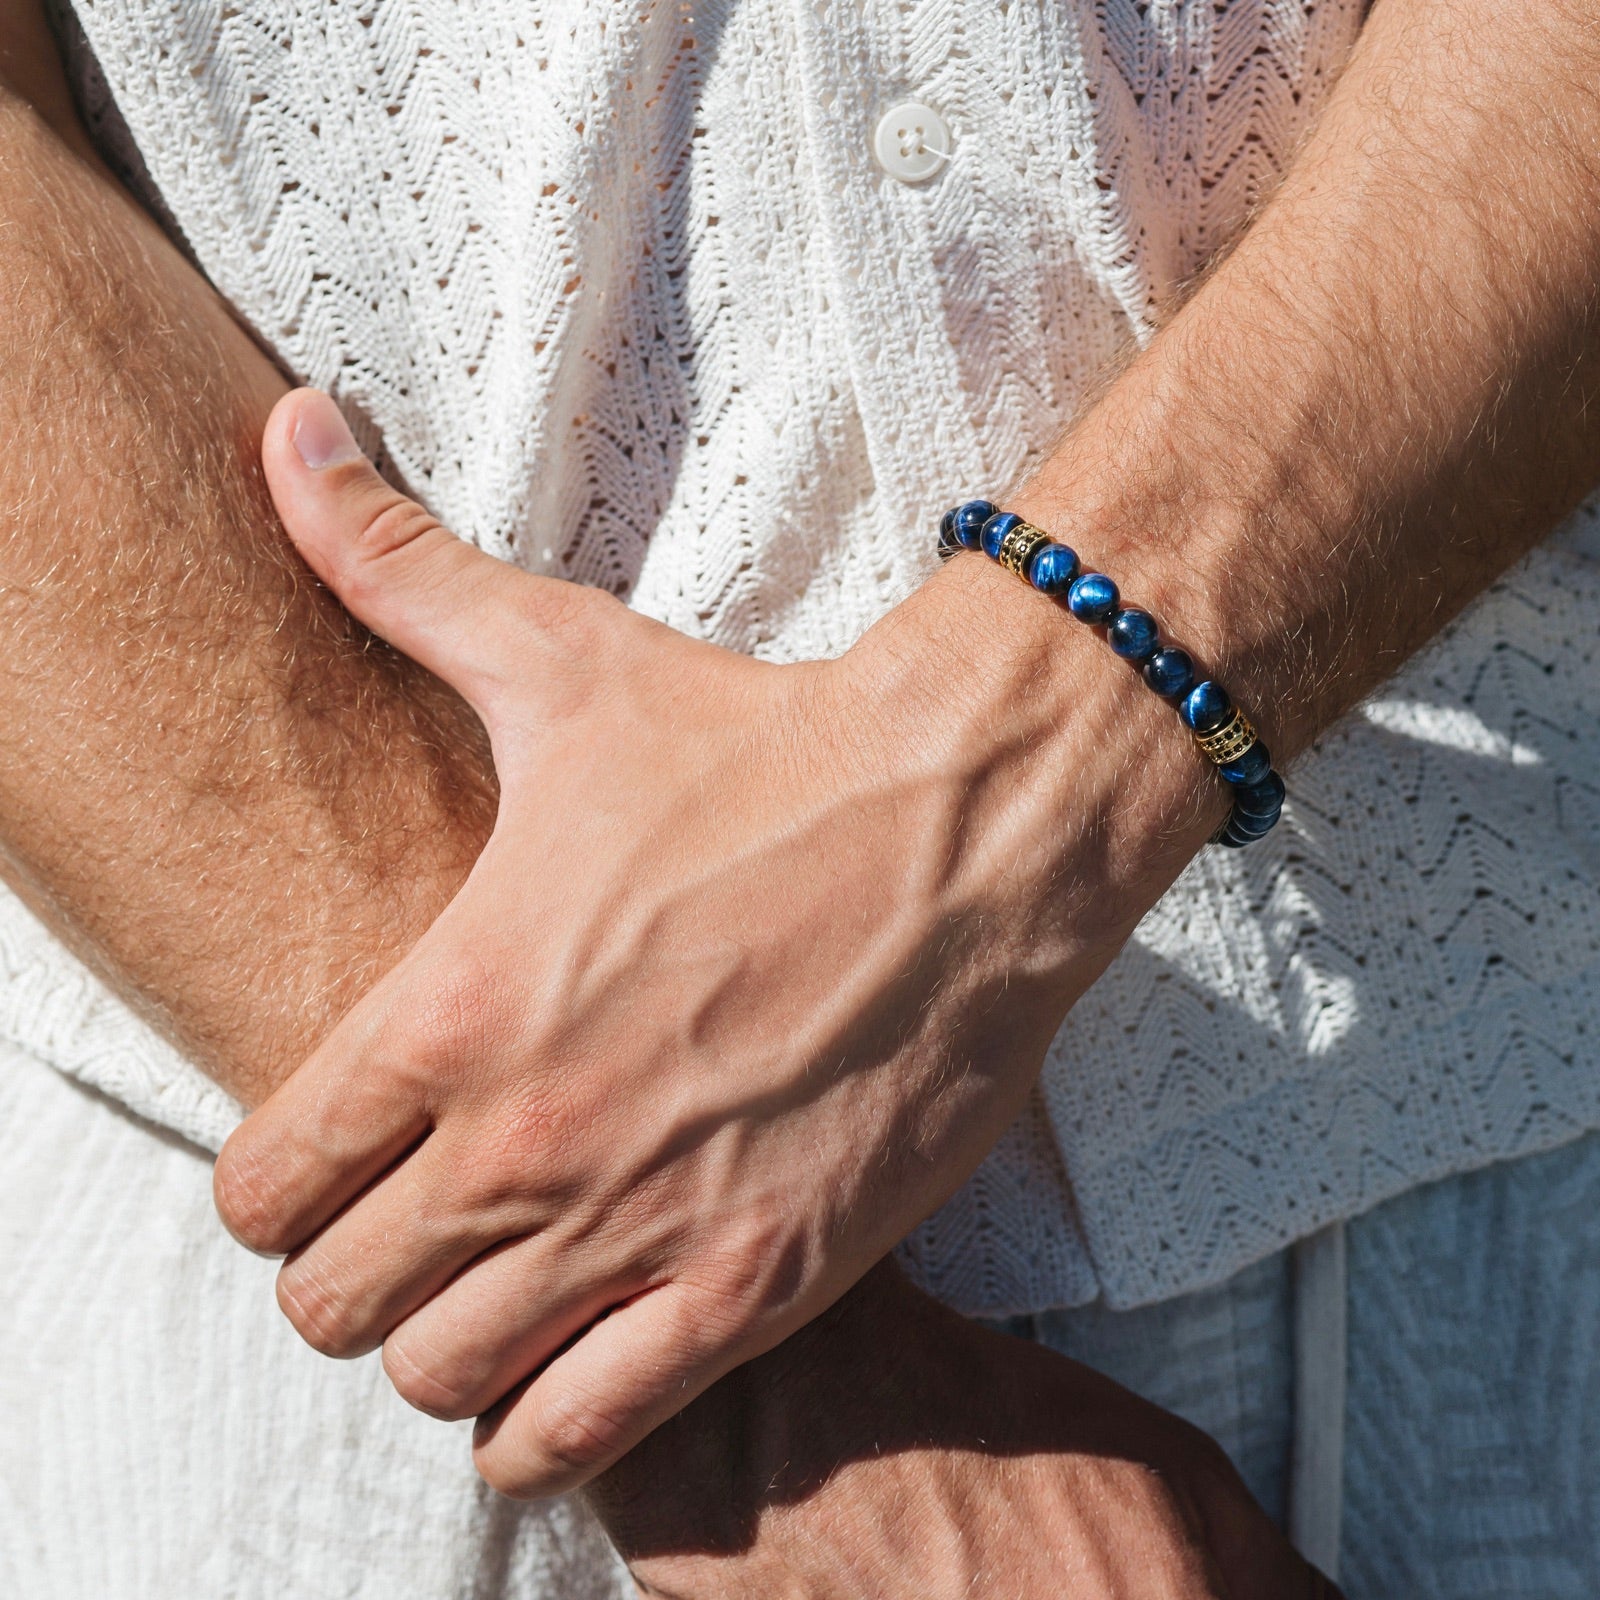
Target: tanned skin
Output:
{"points": [[832, 914], [1371, 408], [226, 795], [241, 807]]}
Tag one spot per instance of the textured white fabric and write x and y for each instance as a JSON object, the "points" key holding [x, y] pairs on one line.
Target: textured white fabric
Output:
{"points": [[621, 293], [164, 1435]]}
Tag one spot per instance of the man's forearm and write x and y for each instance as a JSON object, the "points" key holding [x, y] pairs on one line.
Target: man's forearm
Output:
{"points": [[1384, 395], [218, 788], [1381, 399]]}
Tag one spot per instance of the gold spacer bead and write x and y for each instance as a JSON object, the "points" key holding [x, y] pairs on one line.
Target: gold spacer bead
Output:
{"points": [[1009, 543], [1230, 741], [1018, 547]]}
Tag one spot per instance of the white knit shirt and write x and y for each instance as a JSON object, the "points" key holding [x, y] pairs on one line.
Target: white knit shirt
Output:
{"points": [[620, 290]]}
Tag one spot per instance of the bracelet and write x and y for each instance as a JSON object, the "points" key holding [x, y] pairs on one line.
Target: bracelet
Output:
{"points": [[1222, 731]]}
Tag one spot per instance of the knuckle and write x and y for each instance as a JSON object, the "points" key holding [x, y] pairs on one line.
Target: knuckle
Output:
{"points": [[396, 526], [459, 1017], [321, 1315], [400, 532], [428, 1383], [532, 1147], [249, 1200], [577, 1435], [766, 1267]]}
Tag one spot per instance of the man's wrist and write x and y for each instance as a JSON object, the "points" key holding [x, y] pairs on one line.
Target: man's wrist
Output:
{"points": [[1202, 530], [1091, 782]]}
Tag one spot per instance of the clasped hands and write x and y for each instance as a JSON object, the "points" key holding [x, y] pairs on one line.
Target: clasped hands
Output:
{"points": [[758, 962]]}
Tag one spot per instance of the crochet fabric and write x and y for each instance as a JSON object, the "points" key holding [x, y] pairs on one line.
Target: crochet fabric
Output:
{"points": [[621, 293]]}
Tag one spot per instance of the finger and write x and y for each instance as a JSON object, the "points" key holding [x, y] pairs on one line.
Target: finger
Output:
{"points": [[621, 1380], [400, 1243], [345, 1117], [430, 594], [500, 1320]]}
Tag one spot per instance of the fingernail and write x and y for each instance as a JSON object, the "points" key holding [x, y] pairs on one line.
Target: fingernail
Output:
{"points": [[322, 438]]}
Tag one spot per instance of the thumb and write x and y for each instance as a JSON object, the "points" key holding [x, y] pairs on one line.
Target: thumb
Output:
{"points": [[439, 599]]}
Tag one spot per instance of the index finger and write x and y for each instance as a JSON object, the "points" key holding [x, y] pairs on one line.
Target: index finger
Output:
{"points": [[339, 1122]]}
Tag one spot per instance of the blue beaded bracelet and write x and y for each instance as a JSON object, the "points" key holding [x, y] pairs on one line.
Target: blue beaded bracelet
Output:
{"points": [[1221, 730]]}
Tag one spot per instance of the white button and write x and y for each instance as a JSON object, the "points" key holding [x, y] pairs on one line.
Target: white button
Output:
{"points": [[911, 141]]}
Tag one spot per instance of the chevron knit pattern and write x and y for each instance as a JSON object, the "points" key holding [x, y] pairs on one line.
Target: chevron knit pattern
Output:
{"points": [[618, 290]]}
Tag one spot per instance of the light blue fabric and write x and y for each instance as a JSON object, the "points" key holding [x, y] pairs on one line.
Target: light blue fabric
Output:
{"points": [[1221, 1358], [1472, 1423]]}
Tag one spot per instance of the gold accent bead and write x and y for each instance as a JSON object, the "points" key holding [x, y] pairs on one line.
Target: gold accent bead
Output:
{"points": [[1018, 547], [1009, 543], [1230, 741]]}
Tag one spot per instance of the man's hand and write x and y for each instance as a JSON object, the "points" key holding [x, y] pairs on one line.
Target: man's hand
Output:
{"points": [[949, 1462], [1432, 260], [813, 926], [230, 799], [755, 967]]}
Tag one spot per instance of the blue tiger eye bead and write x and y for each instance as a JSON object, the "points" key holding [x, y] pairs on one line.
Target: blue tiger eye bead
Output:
{"points": [[948, 543], [1249, 768], [1133, 634], [1053, 568], [969, 522], [1170, 672], [1092, 598], [1205, 707], [1244, 829], [995, 531], [1264, 799]]}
